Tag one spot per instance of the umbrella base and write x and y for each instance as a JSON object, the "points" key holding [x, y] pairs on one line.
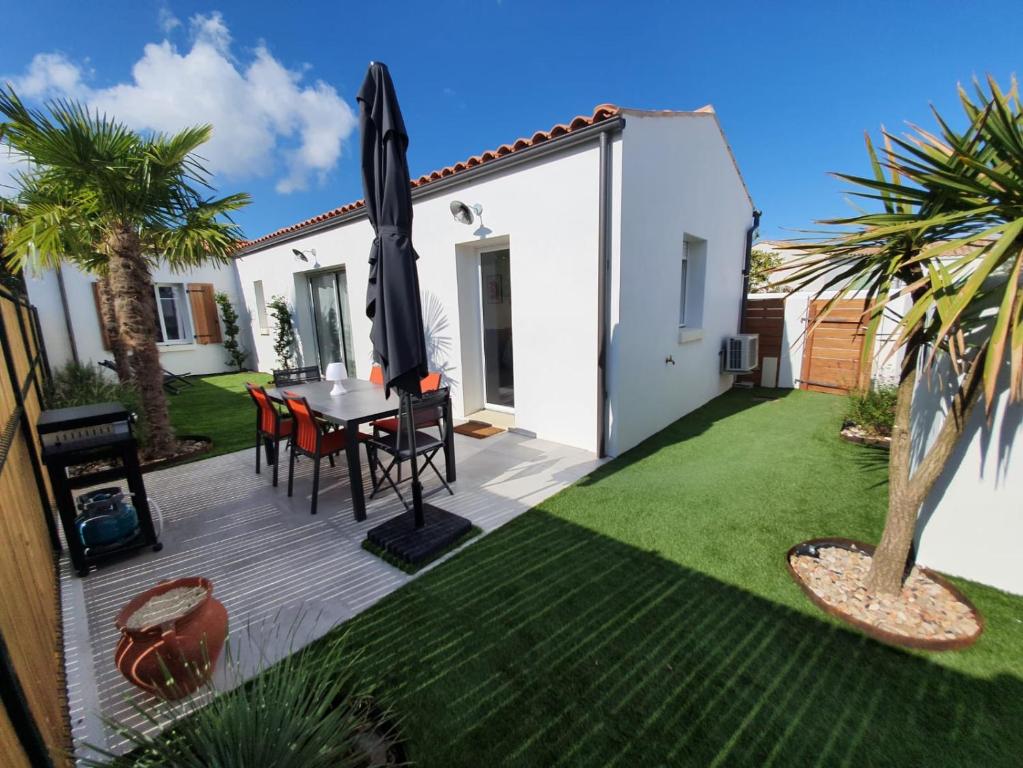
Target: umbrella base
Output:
{"points": [[400, 537]]}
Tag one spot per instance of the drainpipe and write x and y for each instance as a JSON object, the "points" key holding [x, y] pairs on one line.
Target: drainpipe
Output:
{"points": [[747, 262], [67, 315], [603, 288]]}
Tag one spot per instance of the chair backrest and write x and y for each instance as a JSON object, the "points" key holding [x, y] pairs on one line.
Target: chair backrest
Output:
{"points": [[289, 377], [376, 374], [430, 407], [307, 432], [268, 416], [430, 382]]}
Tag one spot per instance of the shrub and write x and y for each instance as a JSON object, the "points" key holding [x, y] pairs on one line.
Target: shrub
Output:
{"points": [[873, 410], [285, 342], [77, 384], [236, 353], [306, 711]]}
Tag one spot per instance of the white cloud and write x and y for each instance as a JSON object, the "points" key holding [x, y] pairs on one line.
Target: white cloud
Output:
{"points": [[50, 74], [167, 20], [266, 120]]}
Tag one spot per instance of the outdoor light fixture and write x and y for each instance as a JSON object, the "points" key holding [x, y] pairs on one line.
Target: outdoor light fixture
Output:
{"points": [[464, 213], [336, 372], [301, 255]]}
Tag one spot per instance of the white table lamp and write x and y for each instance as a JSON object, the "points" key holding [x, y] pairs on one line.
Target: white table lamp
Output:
{"points": [[336, 372]]}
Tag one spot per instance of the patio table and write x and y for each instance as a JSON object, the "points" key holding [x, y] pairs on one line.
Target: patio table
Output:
{"points": [[362, 402]]}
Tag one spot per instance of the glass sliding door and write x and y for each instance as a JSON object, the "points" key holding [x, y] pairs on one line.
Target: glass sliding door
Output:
{"points": [[329, 297], [496, 302]]}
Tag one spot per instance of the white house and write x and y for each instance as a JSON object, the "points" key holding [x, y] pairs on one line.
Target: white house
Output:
{"points": [[588, 301], [69, 317]]}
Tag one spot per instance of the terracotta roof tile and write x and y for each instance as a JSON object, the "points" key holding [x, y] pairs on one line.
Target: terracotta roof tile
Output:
{"points": [[600, 113]]}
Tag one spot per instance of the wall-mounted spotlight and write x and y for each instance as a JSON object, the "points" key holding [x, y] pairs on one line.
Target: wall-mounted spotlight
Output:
{"points": [[304, 255], [464, 213]]}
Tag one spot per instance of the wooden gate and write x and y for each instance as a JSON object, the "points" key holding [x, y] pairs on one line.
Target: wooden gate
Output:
{"points": [[34, 727], [766, 317], [833, 351]]}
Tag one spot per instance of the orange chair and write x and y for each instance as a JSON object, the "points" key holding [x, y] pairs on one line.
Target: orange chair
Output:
{"points": [[271, 427], [429, 383], [311, 438]]}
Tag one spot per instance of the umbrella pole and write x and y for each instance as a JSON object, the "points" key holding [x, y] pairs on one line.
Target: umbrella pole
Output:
{"points": [[417, 487]]}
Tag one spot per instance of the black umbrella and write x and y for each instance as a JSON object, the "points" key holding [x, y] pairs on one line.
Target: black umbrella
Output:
{"points": [[392, 301]]}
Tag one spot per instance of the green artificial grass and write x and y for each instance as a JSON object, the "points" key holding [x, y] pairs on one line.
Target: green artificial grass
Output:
{"points": [[644, 616], [218, 407]]}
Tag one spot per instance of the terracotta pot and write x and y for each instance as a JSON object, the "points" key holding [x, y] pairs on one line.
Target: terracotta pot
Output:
{"points": [[172, 659]]}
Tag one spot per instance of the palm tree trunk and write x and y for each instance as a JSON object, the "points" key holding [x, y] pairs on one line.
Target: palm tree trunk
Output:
{"points": [[135, 305], [907, 491], [112, 330]]}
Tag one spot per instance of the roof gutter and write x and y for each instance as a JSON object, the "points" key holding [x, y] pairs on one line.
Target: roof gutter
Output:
{"points": [[746, 265], [498, 165]]}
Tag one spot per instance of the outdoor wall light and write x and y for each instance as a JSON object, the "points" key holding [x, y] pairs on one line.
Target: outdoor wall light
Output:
{"points": [[464, 213], [301, 255]]}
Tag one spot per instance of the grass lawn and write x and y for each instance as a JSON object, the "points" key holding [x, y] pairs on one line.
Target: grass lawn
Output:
{"points": [[218, 407], [644, 617]]}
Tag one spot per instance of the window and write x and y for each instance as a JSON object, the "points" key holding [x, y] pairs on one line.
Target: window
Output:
{"points": [[172, 321], [684, 288], [264, 328], [693, 270]]}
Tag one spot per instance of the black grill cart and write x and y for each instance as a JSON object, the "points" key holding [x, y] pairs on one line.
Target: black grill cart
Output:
{"points": [[72, 437]]}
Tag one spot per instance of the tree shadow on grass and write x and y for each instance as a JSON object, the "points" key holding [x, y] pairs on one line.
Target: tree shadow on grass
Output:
{"points": [[548, 644]]}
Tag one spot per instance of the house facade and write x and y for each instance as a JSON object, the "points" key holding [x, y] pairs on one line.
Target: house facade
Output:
{"points": [[588, 300]]}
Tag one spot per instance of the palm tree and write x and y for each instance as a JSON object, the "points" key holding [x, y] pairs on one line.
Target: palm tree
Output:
{"points": [[115, 203], [949, 236]]}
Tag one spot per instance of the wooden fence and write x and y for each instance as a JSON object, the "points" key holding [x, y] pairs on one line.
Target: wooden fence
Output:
{"points": [[766, 317], [34, 726]]}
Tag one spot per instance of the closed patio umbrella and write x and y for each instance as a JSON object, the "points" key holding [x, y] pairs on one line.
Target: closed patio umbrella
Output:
{"points": [[392, 299]]}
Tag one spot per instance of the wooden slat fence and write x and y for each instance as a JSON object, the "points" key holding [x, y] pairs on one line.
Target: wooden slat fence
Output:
{"points": [[766, 317], [833, 351], [34, 727]]}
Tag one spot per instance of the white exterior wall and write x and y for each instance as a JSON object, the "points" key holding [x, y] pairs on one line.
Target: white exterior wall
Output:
{"points": [[44, 293], [546, 214], [972, 523], [678, 178]]}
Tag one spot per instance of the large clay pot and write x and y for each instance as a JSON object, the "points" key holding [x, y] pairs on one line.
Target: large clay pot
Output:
{"points": [[172, 659]]}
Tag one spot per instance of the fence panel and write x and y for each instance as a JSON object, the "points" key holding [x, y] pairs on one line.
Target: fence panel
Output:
{"points": [[34, 697]]}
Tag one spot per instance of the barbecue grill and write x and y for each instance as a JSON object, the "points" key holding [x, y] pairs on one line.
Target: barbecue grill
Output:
{"points": [[72, 437]]}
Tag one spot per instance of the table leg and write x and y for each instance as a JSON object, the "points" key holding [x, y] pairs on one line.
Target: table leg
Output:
{"points": [[449, 446], [355, 469]]}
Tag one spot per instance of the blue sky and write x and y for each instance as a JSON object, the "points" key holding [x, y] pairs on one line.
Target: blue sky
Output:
{"points": [[795, 84]]}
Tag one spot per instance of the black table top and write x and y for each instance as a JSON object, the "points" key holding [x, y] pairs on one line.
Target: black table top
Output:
{"points": [[362, 400]]}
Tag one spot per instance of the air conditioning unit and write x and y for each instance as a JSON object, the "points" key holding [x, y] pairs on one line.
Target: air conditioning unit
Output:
{"points": [[741, 352]]}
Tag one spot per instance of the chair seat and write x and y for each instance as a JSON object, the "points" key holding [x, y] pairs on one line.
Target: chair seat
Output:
{"points": [[392, 424], [389, 444]]}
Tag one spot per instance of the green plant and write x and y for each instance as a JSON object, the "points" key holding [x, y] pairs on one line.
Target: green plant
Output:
{"points": [[85, 384], [873, 410], [285, 341], [114, 202], [949, 235], [294, 714], [762, 264], [237, 354]]}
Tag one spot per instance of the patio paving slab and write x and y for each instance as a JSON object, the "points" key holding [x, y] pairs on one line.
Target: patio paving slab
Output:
{"points": [[285, 576]]}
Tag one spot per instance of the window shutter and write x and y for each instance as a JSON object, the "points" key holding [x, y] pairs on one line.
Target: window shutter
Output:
{"points": [[204, 313], [99, 316]]}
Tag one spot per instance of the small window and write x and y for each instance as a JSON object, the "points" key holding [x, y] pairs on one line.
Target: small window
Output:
{"points": [[684, 288], [264, 328], [172, 321], [693, 274]]}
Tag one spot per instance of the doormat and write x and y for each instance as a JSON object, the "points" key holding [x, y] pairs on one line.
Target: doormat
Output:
{"points": [[478, 429]]}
